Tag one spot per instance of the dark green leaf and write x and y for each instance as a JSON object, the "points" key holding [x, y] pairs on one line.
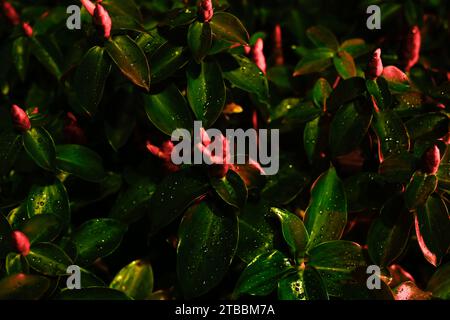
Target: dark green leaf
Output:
{"points": [[80, 162], [48, 259], [321, 92], [316, 60], [166, 60], [208, 238], [135, 280], [380, 91], [42, 227], [226, 26], [398, 167], [231, 188], [345, 65], [40, 147], [346, 91], [97, 238], [322, 37], [130, 59], [21, 56], [419, 189], [304, 285], [199, 39], [389, 233], [16, 263], [48, 54], [10, 146], [206, 91], [261, 275], [326, 216], [90, 79], [23, 287], [428, 126], [439, 283]]}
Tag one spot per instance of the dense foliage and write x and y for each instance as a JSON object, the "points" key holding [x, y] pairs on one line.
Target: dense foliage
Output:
{"points": [[86, 177]]}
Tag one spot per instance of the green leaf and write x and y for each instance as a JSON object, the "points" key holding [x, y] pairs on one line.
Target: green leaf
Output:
{"points": [[42, 227], [21, 56], [304, 285], [443, 173], [231, 188], [150, 42], [199, 39], [256, 234], [16, 263], [167, 60], [342, 267], [379, 89], [431, 125], [389, 233], [439, 283], [291, 113], [322, 37], [227, 27], [326, 215], [398, 167], [48, 54], [321, 92], [355, 47], [6, 241], [175, 193], [23, 287], [315, 139], [168, 110], [40, 147], [349, 127], [391, 132], [262, 274], [206, 91], [346, 91], [48, 259], [130, 59], [315, 60], [80, 162], [433, 229], [245, 75], [90, 79], [419, 189], [97, 238], [51, 199], [345, 65], [135, 280], [208, 238], [294, 232], [10, 146], [133, 202], [93, 293]]}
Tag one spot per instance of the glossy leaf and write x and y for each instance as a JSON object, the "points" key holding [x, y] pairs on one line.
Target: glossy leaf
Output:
{"points": [[40, 147], [231, 189], [227, 27], [303, 285], [80, 161], [48, 54], [346, 91], [398, 167], [49, 199], [419, 189], [345, 65], [321, 92], [294, 231], [166, 60], [433, 229], [379, 89], [322, 37], [97, 238], [199, 39], [355, 47], [316, 60], [326, 215], [208, 238], [244, 74], [90, 79], [439, 283], [205, 91], [135, 280], [48, 259], [23, 287], [261, 275], [168, 110], [130, 59], [175, 193], [428, 126], [16, 263], [42, 227], [389, 233]]}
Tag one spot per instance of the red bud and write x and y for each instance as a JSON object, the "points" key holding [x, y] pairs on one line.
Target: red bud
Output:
{"points": [[205, 10], [20, 118], [375, 65], [431, 160], [27, 29], [90, 7], [11, 13], [278, 46], [258, 55], [21, 242], [102, 19], [73, 133], [411, 47]]}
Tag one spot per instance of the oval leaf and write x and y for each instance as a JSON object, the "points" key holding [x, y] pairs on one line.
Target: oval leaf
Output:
{"points": [[40, 147], [48, 259], [135, 280], [227, 27], [231, 189], [23, 287], [199, 39]]}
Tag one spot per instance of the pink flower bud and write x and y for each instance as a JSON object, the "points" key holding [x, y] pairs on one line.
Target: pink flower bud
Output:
{"points": [[411, 48], [73, 133], [102, 19], [21, 242], [247, 49], [205, 10], [10, 13], [27, 29], [375, 66], [90, 7], [35, 110], [278, 46], [431, 160], [258, 55], [20, 119]]}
